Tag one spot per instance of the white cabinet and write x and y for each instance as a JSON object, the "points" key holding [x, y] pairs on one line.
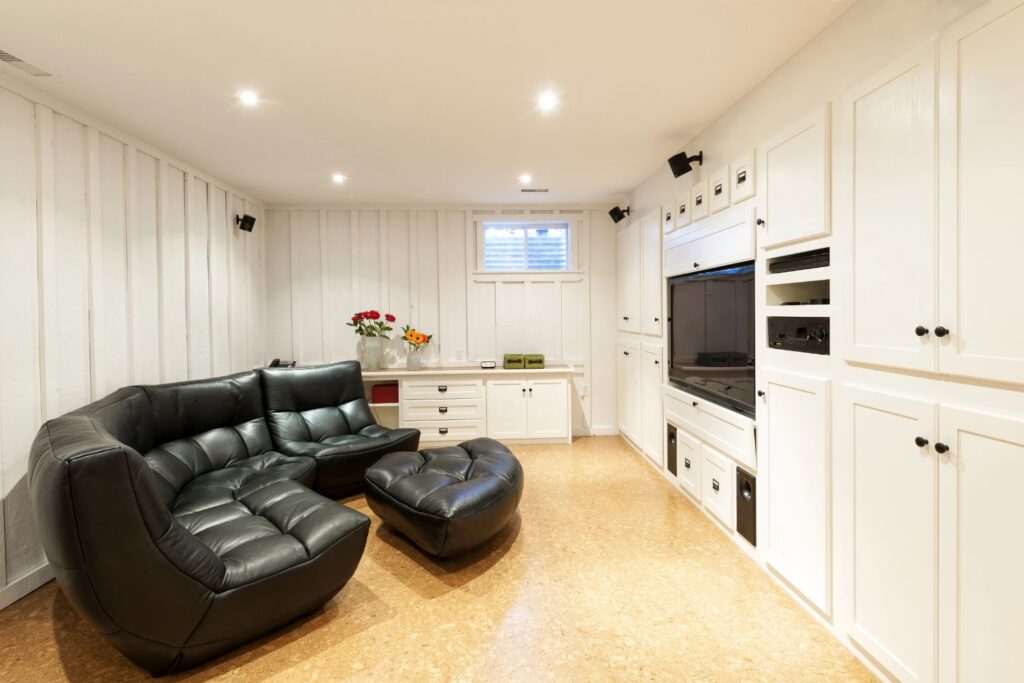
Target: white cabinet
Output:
{"points": [[650, 270], [532, 409], [699, 200], [886, 204], [724, 239], [718, 486], [629, 277], [981, 595], [718, 190], [629, 391], [688, 462], [653, 427], [794, 182], [682, 209], [799, 480], [981, 235], [895, 530]]}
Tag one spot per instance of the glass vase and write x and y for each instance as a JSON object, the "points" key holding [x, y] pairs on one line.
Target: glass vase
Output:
{"points": [[370, 353], [414, 358]]}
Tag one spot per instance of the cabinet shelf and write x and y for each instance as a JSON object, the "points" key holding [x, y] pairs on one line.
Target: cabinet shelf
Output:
{"points": [[383, 405], [808, 275], [816, 310]]}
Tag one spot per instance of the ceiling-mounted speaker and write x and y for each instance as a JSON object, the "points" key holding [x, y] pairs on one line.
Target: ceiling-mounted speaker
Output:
{"points": [[681, 164], [245, 222], [618, 214]]}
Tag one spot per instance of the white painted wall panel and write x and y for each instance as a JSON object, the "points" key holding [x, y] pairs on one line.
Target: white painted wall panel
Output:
{"points": [[144, 268], [199, 347], [239, 287], [307, 287], [453, 264], [220, 283], [67, 284], [279, 285], [112, 326], [173, 303], [369, 288], [339, 297]]}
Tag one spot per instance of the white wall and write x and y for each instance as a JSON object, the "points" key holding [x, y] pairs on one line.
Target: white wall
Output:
{"points": [[119, 265], [864, 39], [420, 264]]}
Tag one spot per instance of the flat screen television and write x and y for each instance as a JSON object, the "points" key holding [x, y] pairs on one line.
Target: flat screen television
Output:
{"points": [[711, 335]]}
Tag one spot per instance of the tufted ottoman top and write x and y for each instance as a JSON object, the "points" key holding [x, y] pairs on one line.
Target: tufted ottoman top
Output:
{"points": [[447, 499]]}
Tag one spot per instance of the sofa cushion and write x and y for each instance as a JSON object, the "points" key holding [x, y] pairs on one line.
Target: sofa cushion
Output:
{"points": [[260, 526]]}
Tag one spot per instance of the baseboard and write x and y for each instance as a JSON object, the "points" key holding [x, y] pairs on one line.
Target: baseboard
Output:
{"points": [[24, 585], [604, 431]]}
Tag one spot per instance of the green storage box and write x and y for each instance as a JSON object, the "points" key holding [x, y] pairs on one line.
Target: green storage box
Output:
{"points": [[514, 361], [534, 361]]}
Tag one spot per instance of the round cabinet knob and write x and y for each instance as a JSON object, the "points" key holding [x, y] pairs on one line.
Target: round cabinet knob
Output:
{"points": [[921, 442], [760, 392], [760, 221], [941, 331], [696, 265], [694, 404], [920, 330], [941, 447]]}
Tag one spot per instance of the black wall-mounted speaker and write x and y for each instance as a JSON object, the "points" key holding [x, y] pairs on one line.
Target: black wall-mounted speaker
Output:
{"points": [[618, 214], [682, 164], [245, 222]]}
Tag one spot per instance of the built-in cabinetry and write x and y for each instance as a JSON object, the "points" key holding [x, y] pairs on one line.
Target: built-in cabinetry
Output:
{"points": [[640, 376], [449, 405], [628, 277], [793, 169], [726, 238]]}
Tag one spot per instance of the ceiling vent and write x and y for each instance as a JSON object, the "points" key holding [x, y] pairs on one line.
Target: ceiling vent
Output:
{"points": [[17, 63], [533, 189]]}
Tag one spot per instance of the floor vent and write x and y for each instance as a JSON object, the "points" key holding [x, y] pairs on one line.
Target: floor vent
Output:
{"points": [[17, 63], [533, 189]]}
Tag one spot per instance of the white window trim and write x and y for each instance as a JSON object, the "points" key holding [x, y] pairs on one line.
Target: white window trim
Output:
{"points": [[527, 219]]}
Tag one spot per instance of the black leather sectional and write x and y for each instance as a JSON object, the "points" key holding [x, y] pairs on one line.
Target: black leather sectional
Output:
{"points": [[182, 520]]}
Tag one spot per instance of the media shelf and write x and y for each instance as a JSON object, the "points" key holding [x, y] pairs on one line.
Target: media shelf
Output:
{"points": [[819, 311]]}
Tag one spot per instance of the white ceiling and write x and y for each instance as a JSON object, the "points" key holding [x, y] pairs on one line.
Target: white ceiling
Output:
{"points": [[416, 101]]}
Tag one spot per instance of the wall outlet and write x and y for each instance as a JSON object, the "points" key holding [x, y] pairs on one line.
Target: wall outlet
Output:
{"points": [[460, 354]]}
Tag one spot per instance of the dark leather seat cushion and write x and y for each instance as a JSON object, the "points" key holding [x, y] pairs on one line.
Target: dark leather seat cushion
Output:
{"points": [[447, 500]]}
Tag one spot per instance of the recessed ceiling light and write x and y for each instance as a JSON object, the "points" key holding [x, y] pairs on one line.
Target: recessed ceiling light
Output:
{"points": [[548, 101], [338, 179], [248, 98], [525, 179]]}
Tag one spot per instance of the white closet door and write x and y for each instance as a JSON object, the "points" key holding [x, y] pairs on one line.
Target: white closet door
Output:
{"points": [[982, 561], [895, 529], [651, 409], [886, 193], [799, 473], [628, 243], [981, 226]]}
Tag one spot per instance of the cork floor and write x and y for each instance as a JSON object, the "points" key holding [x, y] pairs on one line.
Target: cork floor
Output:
{"points": [[606, 573]]}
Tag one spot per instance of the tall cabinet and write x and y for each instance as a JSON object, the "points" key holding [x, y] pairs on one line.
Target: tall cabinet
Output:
{"points": [[640, 369], [932, 435]]}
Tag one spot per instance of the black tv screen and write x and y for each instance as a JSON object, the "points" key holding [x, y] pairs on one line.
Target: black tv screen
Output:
{"points": [[711, 338]]}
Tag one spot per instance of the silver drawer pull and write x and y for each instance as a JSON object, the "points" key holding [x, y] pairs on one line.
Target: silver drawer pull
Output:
{"points": [[443, 409], [442, 430], [686, 463], [442, 388], [714, 484]]}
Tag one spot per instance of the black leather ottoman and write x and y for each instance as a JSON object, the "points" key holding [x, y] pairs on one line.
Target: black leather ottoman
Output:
{"points": [[447, 500]]}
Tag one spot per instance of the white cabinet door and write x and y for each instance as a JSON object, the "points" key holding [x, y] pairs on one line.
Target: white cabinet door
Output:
{"points": [[886, 196], [982, 560], [688, 462], [799, 474], [981, 233], [894, 487], [547, 408], [506, 409], [650, 409], [794, 182], [718, 485], [629, 391], [650, 291], [629, 277]]}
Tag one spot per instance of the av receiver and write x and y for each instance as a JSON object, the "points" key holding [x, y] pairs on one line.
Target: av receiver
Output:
{"points": [[806, 335]]}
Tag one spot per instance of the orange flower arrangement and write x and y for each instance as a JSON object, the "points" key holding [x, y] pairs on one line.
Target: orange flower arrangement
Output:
{"points": [[414, 338]]}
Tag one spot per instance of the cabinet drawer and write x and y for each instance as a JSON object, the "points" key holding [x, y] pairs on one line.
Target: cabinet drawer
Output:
{"points": [[433, 431], [443, 409], [727, 431], [718, 490], [442, 388], [688, 461], [726, 238]]}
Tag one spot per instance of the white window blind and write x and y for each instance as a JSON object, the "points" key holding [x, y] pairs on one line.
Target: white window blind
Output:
{"points": [[526, 246]]}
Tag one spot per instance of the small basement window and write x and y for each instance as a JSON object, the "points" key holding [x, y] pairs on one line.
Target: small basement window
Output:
{"points": [[526, 246]]}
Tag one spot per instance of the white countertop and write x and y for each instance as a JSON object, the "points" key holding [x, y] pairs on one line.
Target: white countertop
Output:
{"points": [[463, 370]]}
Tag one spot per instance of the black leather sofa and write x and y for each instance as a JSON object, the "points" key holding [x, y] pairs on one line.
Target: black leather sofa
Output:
{"points": [[178, 523]]}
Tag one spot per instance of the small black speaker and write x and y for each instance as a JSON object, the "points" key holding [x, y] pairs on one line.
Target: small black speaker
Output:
{"points": [[618, 214], [682, 164], [245, 222]]}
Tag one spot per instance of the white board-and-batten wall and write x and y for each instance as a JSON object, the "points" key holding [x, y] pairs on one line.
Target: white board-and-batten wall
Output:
{"points": [[118, 265]]}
